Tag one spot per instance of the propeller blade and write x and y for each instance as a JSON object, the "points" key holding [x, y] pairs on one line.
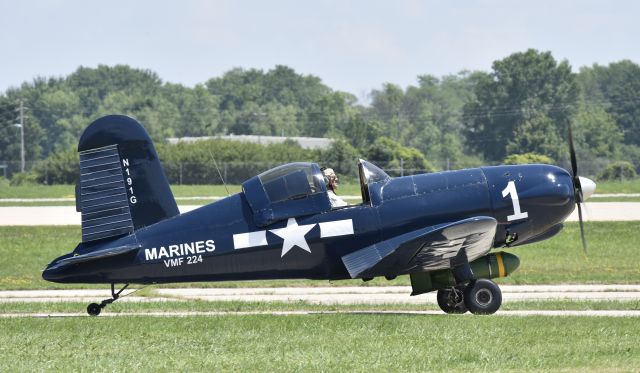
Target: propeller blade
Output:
{"points": [[577, 185], [572, 153], [584, 241]]}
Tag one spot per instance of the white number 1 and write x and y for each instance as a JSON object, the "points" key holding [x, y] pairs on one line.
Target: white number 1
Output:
{"points": [[517, 214]]}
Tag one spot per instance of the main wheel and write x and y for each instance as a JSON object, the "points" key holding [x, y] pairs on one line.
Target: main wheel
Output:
{"points": [[482, 297], [94, 309], [451, 300]]}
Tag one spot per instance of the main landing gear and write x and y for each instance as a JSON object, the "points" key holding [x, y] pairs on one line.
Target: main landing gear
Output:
{"points": [[94, 309], [480, 297]]}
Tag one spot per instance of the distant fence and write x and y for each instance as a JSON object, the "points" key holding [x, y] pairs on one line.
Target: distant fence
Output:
{"points": [[237, 172], [205, 173]]}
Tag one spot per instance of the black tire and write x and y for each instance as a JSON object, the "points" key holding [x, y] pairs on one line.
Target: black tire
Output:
{"points": [[451, 300], [94, 309], [482, 297]]}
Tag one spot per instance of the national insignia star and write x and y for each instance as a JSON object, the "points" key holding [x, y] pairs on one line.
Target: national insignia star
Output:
{"points": [[293, 235]]}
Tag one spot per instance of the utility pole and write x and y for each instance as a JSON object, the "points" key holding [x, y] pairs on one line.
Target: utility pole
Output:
{"points": [[21, 125]]}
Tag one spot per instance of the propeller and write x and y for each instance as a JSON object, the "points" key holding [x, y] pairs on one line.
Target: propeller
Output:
{"points": [[579, 183]]}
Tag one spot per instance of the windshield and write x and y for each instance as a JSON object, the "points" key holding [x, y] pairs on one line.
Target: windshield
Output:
{"points": [[372, 173]]}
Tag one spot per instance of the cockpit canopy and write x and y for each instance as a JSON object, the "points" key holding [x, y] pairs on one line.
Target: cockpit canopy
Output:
{"points": [[292, 181], [287, 191], [297, 189]]}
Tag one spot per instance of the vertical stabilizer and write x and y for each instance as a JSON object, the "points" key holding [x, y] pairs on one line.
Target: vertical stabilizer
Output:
{"points": [[122, 184]]}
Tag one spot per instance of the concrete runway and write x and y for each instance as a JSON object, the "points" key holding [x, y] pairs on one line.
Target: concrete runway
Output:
{"points": [[297, 313], [67, 215], [341, 295], [361, 296]]}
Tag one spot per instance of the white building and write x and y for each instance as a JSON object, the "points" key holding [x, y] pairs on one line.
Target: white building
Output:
{"points": [[305, 142]]}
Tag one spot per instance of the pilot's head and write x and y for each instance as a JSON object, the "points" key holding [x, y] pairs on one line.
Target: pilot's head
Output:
{"points": [[331, 178]]}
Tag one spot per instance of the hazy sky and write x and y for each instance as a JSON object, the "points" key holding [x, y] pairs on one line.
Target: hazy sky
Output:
{"points": [[353, 46]]}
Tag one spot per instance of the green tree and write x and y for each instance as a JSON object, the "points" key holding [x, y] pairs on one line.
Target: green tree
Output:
{"points": [[620, 170], [277, 101], [342, 157], [596, 131], [34, 136], [387, 105], [524, 103], [527, 158], [538, 133], [422, 115], [58, 112], [328, 114], [59, 168], [391, 155], [616, 87], [198, 110], [92, 85], [158, 115], [360, 131]]}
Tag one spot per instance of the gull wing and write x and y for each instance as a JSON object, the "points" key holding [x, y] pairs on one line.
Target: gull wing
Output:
{"points": [[425, 249]]}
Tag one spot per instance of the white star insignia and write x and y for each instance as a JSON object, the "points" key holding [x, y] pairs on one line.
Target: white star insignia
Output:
{"points": [[293, 235]]}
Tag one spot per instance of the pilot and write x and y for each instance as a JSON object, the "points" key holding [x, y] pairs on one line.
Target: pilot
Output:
{"points": [[332, 184]]}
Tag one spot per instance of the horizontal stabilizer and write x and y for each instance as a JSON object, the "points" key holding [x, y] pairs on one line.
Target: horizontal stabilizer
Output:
{"points": [[95, 255]]}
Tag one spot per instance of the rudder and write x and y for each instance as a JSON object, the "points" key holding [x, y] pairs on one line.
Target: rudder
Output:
{"points": [[122, 185]]}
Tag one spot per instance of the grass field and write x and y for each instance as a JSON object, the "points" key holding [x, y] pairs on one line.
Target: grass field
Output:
{"points": [[329, 342], [68, 191], [332, 343], [627, 186], [613, 257], [182, 193]]}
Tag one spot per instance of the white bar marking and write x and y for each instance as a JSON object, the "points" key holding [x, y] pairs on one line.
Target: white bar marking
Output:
{"points": [[251, 239], [336, 228]]}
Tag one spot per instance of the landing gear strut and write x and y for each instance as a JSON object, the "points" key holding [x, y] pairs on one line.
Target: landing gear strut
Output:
{"points": [[480, 297], [94, 308]]}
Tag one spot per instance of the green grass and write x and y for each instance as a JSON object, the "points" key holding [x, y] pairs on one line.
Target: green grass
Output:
{"points": [[68, 191], [613, 257], [613, 199], [36, 204], [374, 343], [627, 186], [37, 191]]}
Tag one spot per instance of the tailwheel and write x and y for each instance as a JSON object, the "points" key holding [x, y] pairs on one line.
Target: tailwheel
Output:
{"points": [[451, 300], [482, 297], [94, 309]]}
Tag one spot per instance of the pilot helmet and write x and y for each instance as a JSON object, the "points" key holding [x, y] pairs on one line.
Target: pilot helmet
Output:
{"points": [[328, 174]]}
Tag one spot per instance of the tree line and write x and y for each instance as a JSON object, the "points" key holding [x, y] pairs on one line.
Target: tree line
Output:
{"points": [[524, 105]]}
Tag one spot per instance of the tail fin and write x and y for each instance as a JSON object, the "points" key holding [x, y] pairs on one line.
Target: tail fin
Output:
{"points": [[122, 185]]}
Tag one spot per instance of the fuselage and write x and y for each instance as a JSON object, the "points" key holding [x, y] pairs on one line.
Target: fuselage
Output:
{"points": [[221, 241]]}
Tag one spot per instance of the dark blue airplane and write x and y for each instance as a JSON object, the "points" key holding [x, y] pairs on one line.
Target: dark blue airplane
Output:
{"points": [[438, 228]]}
